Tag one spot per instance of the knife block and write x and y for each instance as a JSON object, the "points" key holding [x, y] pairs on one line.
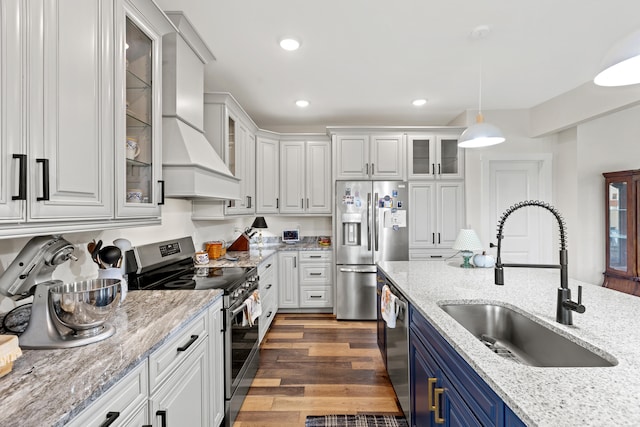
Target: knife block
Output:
{"points": [[240, 244]]}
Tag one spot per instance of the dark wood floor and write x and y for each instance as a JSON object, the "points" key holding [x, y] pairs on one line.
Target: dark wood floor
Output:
{"points": [[316, 365]]}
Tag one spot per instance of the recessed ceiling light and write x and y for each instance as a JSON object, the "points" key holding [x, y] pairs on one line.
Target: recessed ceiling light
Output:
{"points": [[302, 103], [289, 44], [419, 102]]}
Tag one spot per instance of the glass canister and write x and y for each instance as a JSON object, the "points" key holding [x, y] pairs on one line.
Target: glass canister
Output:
{"points": [[214, 248]]}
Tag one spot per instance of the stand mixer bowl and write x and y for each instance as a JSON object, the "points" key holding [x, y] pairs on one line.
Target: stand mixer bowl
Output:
{"points": [[85, 306]]}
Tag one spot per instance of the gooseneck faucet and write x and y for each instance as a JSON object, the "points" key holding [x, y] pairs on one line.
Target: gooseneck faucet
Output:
{"points": [[564, 306]]}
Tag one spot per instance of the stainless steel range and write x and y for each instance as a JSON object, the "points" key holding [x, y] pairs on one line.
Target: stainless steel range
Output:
{"points": [[169, 265]]}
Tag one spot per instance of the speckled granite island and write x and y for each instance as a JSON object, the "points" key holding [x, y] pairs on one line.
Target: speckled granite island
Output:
{"points": [[610, 326], [49, 387]]}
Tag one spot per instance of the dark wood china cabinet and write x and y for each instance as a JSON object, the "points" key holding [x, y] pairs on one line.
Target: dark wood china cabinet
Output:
{"points": [[622, 201]]}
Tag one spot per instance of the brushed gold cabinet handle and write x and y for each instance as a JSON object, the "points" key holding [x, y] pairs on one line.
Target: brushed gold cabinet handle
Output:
{"points": [[436, 397], [431, 383]]}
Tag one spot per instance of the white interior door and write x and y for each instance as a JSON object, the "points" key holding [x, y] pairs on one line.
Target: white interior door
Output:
{"points": [[528, 232]]}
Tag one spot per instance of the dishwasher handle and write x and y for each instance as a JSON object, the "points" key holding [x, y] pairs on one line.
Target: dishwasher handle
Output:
{"points": [[355, 270]]}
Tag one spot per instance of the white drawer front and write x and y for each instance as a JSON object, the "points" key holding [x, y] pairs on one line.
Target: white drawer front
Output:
{"points": [[267, 267], [165, 360], [320, 296], [123, 398], [320, 256], [315, 274]]}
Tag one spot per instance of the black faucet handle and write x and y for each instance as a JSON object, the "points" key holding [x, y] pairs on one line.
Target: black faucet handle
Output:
{"points": [[579, 294]]}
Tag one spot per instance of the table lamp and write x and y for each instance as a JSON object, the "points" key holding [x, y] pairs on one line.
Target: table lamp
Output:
{"points": [[467, 242]]}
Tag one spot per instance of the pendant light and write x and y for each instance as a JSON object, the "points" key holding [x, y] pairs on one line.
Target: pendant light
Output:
{"points": [[480, 134], [621, 64]]}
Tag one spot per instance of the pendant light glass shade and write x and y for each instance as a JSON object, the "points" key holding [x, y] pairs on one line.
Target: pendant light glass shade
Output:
{"points": [[621, 64], [480, 134]]}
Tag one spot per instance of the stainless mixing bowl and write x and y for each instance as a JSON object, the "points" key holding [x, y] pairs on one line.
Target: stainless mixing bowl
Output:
{"points": [[85, 305]]}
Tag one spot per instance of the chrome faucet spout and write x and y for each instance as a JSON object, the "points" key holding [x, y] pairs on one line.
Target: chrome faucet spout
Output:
{"points": [[564, 304]]}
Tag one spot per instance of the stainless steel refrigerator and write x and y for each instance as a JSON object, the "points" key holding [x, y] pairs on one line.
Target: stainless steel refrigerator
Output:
{"points": [[371, 225]]}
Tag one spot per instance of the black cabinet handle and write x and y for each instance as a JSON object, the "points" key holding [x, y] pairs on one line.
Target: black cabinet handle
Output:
{"points": [[189, 343], [111, 417], [433, 168], [163, 416], [161, 202], [249, 202], [315, 274], [315, 296], [22, 177], [438, 238], [315, 256], [436, 256], [268, 266], [45, 179], [269, 315], [269, 286], [439, 169], [277, 203], [295, 263], [433, 238]]}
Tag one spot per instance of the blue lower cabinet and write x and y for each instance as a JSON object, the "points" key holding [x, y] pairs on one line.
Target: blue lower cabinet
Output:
{"points": [[511, 419], [445, 390], [434, 401]]}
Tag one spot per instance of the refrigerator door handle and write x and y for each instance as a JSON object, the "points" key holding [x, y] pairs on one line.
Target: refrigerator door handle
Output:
{"points": [[376, 222], [368, 221]]}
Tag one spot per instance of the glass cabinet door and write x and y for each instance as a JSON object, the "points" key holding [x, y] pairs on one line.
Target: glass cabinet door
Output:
{"points": [[617, 197], [139, 124]]}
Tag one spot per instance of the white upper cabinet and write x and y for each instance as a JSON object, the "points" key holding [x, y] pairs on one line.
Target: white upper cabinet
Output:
{"points": [[434, 156], [377, 156], [318, 177], [139, 185], [305, 177], [231, 133], [267, 175], [70, 109], [62, 116], [13, 150]]}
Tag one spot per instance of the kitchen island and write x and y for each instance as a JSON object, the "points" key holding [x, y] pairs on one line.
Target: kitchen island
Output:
{"points": [[540, 396], [50, 387]]}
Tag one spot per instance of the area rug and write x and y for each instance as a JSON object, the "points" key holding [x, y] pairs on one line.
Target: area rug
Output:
{"points": [[355, 421]]}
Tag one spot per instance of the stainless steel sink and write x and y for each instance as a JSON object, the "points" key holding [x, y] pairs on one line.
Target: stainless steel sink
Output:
{"points": [[514, 336]]}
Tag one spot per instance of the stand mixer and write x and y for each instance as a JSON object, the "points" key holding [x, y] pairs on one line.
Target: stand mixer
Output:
{"points": [[62, 315]]}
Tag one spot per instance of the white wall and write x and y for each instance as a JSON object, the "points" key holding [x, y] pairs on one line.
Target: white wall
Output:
{"points": [[514, 124], [606, 144], [176, 222]]}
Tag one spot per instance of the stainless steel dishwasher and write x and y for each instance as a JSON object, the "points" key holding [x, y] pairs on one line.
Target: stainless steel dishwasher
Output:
{"points": [[398, 353]]}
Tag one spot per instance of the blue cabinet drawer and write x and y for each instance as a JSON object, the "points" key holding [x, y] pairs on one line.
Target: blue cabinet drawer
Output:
{"points": [[486, 405]]}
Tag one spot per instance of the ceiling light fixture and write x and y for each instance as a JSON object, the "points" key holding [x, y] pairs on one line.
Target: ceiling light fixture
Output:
{"points": [[621, 64], [302, 103], [419, 102], [480, 134], [289, 44]]}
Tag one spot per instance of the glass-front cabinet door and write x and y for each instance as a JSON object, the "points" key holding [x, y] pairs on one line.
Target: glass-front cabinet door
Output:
{"points": [[621, 228], [435, 157], [617, 225], [139, 190]]}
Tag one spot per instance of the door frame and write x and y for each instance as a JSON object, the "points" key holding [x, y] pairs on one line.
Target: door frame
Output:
{"points": [[545, 185]]}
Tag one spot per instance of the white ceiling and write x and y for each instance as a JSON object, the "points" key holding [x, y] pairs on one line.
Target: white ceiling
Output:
{"points": [[362, 62]]}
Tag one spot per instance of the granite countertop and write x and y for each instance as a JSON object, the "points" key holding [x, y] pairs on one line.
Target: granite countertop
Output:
{"points": [[255, 256], [49, 387], [539, 396]]}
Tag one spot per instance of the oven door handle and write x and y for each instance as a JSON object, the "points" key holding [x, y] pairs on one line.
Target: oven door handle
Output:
{"points": [[237, 311]]}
